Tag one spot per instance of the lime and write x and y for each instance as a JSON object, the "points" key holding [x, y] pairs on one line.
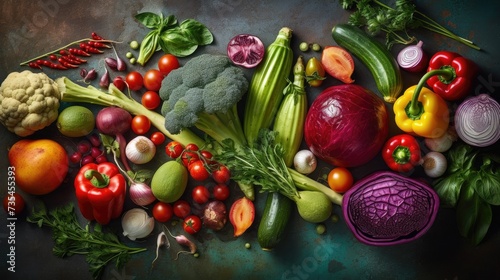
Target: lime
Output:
{"points": [[169, 181], [75, 121], [314, 206]]}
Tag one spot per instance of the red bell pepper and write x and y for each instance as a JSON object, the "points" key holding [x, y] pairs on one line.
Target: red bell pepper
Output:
{"points": [[100, 191], [450, 75], [401, 153]]}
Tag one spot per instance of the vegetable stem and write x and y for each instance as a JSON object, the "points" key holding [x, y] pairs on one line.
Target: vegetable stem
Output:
{"points": [[415, 109]]}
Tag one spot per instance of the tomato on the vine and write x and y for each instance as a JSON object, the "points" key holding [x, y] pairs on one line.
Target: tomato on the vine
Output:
{"points": [[198, 171], [134, 80], [221, 192], [174, 149], [157, 138], [200, 194], [192, 224], [151, 100], [13, 203], [182, 208], [192, 147], [340, 179], [153, 79], [163, 212], [167, 63], [140, 124], [222, 174], [206, 154], [189, 157]]}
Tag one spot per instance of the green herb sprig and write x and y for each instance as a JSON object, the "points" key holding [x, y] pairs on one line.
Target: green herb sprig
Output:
{"points": [[378, 17], [261, 165], [99, 247], [471, 184], [168, 35]]}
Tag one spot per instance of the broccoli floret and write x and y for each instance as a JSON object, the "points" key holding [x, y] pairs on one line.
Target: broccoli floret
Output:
{"points": [[204, 93]]}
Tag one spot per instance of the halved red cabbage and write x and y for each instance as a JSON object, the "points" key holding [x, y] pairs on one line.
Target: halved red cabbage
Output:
{"points": [[386, 208]]}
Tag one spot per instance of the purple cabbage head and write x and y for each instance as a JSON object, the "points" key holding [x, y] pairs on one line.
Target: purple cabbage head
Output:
{"points": [[386, 208]]}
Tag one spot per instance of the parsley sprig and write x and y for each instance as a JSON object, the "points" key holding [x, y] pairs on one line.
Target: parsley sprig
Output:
{"points": [[99, 247], [395, 22]]}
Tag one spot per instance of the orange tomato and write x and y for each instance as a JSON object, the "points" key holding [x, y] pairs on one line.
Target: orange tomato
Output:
{"points": [[340, 179]]}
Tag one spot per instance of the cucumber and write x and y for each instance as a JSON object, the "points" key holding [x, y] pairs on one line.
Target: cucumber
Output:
{"points": [[375, 56], [272, 225]]}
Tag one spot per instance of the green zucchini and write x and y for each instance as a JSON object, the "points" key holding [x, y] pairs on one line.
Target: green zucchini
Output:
{"points": [[273, 223], [265, 91], [375, 56]]}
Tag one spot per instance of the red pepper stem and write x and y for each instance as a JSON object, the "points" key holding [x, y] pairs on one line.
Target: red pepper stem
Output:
{"points": [[414, 109], [97, 179]]}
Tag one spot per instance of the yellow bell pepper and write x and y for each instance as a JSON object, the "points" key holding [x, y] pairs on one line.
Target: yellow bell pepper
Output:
{"points": [[419, 111]]}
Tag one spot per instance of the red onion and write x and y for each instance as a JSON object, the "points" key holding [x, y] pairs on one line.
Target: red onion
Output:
{"points": [[115, 121], [141, 194], [477, 120], [413, 58], [245, 50]]}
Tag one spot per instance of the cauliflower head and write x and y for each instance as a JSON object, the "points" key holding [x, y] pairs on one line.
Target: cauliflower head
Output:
{"points": [[28, 102]]}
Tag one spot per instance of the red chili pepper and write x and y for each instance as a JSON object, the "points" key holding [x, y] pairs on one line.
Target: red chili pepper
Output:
{"points": [[450, 75], [96, 37], [78, 52], [69, 59], [76, 58], [66, 63], [50, 64], [100, 191], [401, 153], [53, 57], [86, 47], [96, 44], [35, 65]]}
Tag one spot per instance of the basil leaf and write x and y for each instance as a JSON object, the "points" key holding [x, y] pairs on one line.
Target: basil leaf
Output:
{"points": [[150, 20], [487, 183], [474, 215], [175, 42], [148, 47], [460, 158], [197, 32], [448, 189], [169, 22]]}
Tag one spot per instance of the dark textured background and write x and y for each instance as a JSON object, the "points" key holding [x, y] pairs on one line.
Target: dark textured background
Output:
{"points": [[30, 28]]}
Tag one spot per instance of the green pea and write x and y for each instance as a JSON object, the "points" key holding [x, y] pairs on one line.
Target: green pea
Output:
{"points": [[132, 60], [304, 46], [248, 245], [134, 45], [129, 55], [316, 47], [320, 229], [335, 218]]}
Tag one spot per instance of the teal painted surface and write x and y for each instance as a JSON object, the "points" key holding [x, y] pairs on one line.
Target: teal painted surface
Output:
{"points": [[28, 28]]}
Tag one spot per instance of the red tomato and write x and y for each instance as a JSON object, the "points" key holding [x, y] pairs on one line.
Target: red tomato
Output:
{"points": [[200, 194], [222, 174], [206, 154], [151, 100], [174, 149], [198, 171], [140, 124], [153, 79], [192, 147], [167, 63], [13, 204], [163, 212], [221, 192], [134, 80], [119, 82], [182, 208], [192, 224], [340, 179], [188, 157], [157, 138]]}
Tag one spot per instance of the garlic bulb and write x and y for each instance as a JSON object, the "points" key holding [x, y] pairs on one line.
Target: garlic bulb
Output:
{"points": [[136, 223], [140, 150]]}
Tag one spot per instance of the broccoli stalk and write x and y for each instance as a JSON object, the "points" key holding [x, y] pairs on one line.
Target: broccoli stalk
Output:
{"points": [[72, 92]]}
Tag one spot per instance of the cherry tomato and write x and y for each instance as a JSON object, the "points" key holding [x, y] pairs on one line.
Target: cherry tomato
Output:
{"points": [[206, 154], [192, 224], [163, 212], [198, 171], [221, 192], [200, 194], [167, 63], [151, 100], [182, 208], [192, 147], [174, 149], [134, 80], [340, 179], [153, 79], [140, 124], [13, 204], [157, 138], [119, 83], [188, 157], [222, 174], [315, 73]]}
